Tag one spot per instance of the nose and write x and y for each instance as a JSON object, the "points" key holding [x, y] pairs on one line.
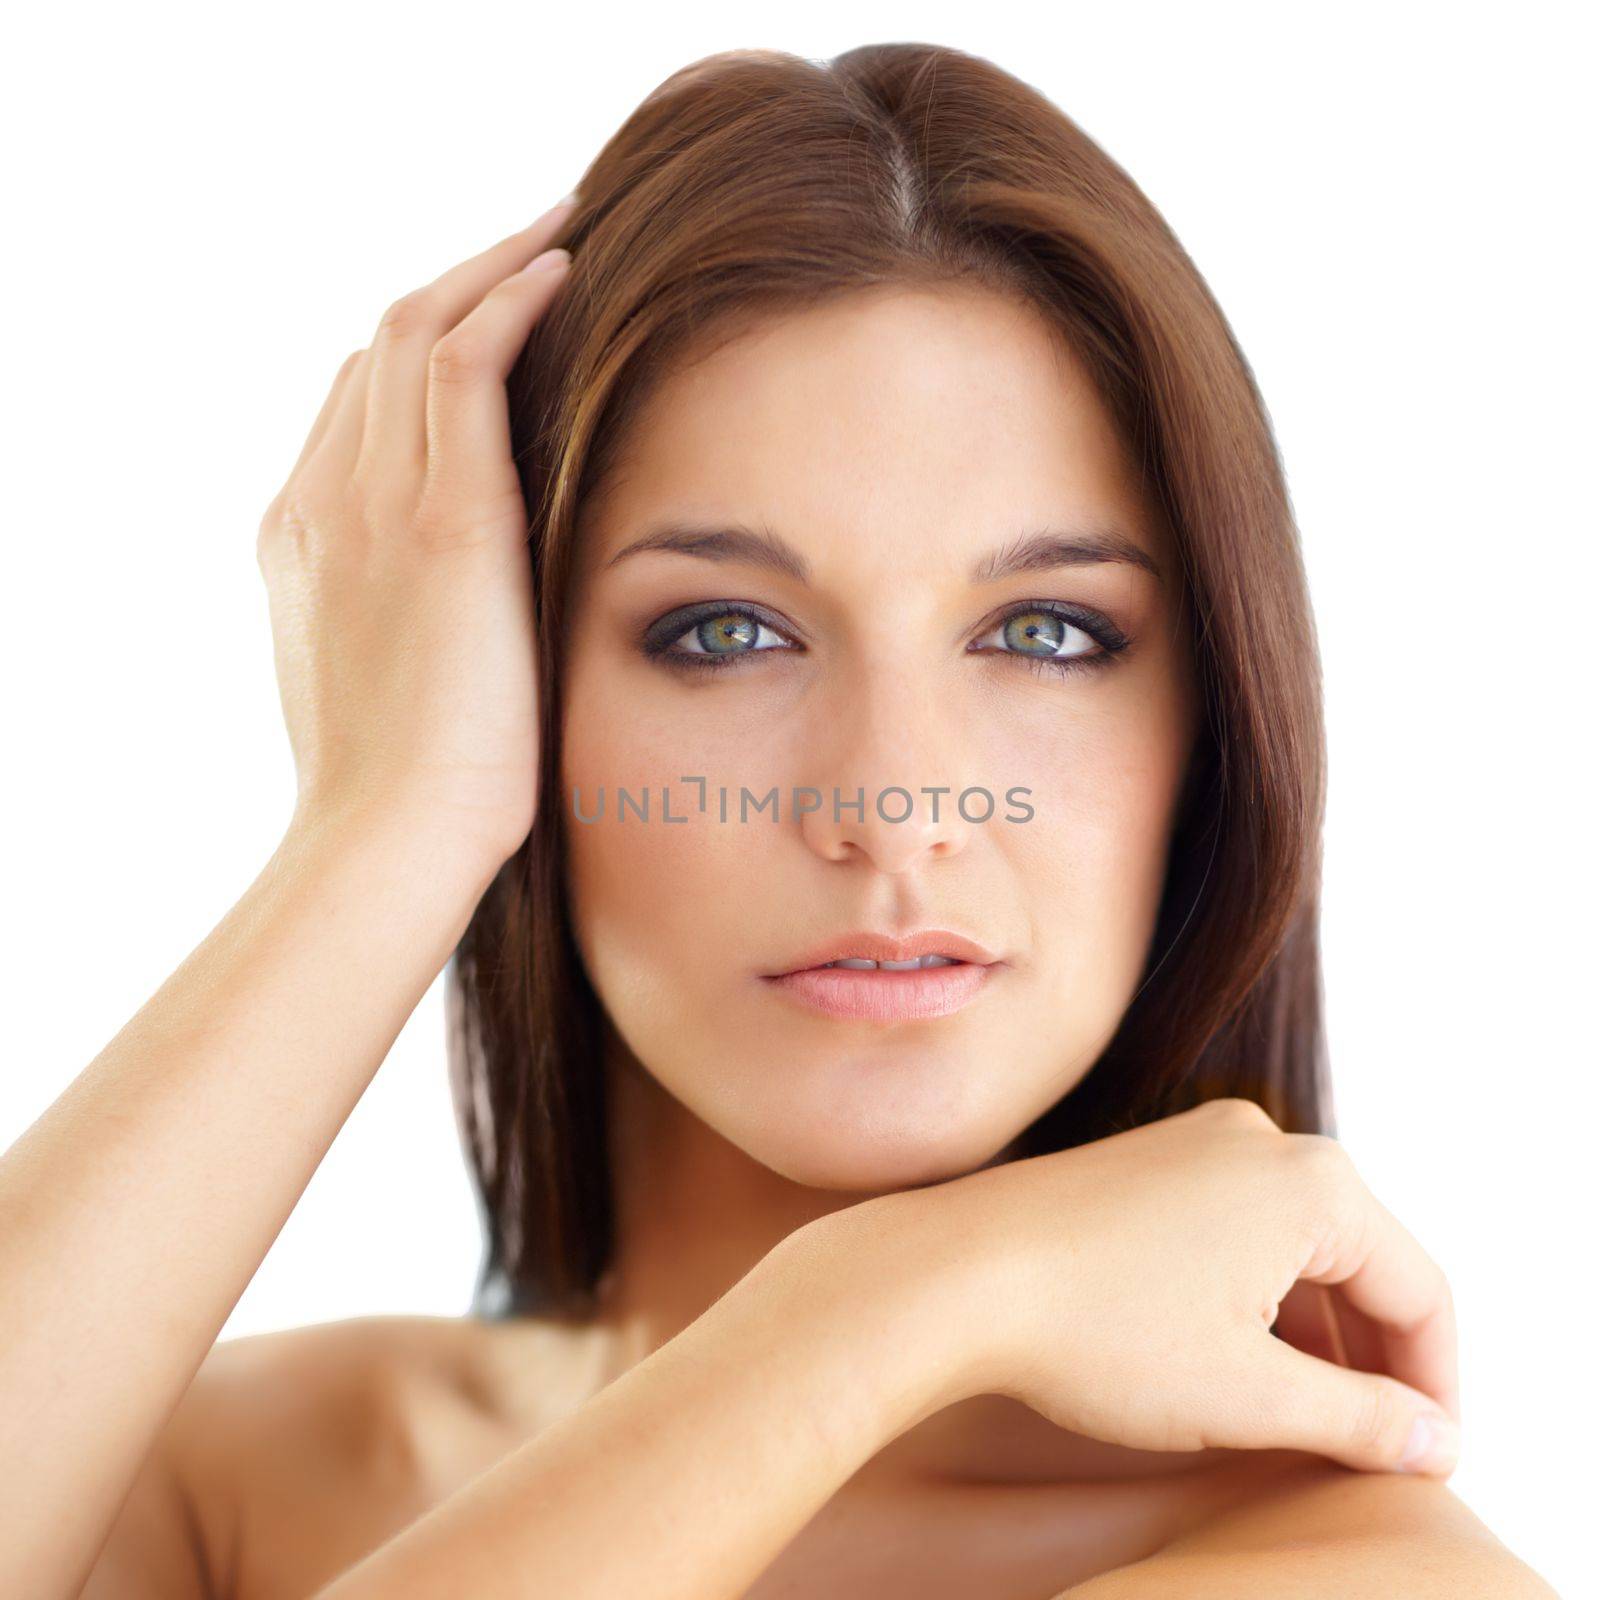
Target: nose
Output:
{"points": [[887, 788]]}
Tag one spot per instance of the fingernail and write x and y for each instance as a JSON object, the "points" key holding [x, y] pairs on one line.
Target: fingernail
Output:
{"points": [[1433, 1446], [546, 259]]}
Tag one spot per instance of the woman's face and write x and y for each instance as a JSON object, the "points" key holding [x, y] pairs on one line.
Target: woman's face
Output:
{"points": [[893, 455]]}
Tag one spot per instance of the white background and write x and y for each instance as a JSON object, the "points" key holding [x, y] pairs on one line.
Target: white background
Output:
{"points": [[209, 207]]}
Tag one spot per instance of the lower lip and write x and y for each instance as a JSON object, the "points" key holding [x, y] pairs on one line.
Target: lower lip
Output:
{"points": [[880, 996]]}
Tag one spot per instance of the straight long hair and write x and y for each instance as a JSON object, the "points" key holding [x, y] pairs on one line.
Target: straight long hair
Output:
{"points": [[758, 183]]}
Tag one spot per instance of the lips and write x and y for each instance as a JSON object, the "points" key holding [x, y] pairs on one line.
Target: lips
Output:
{"points": [[887, 978], [892, 953], [876, 995], [914, 965]]}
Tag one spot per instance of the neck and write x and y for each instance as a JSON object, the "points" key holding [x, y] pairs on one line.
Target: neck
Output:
{"points": [[694, 1213]]}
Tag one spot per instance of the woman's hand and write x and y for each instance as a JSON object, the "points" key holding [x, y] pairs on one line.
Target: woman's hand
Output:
{"points": [[1127, 1290], [397, 569]]}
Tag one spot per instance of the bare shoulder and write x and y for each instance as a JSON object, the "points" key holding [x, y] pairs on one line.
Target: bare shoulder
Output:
{"points": [[294, 1451], [329, 1386], [1312, 1527]]}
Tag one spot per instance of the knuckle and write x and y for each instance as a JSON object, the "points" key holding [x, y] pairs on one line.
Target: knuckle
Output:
{"points": [[289, 524], [283, 511], [406, 316], [1330, 1193], [271, 518], [267, 536], [1322, 1160], [456, 359]]}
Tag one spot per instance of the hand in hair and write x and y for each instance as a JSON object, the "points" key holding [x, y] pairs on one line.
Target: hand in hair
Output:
{"points": [[397, 567]]}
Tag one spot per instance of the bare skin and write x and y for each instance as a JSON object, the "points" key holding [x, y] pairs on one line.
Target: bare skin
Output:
{"points": [[305, 1451], [847, 1347]]}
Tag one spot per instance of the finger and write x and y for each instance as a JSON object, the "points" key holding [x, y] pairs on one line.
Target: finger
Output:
{"points": [[468, 420], [1384, 1274], [1368, 1421], [336, 450], [330, 405], [395, 433]]}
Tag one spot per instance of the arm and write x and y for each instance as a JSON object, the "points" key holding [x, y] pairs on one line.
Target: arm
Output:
{"points": [[1325, 1535], [135, 1210], [685, 1477], [688, 1475]]}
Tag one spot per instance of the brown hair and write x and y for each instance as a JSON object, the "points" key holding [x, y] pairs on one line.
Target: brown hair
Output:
{"points": [[752, 182]]}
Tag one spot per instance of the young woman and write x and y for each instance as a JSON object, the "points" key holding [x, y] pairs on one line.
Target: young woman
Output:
{"points": [[877, 556]]}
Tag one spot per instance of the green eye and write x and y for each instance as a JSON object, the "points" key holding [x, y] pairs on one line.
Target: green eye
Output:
{"points": [[1044, 635], [1037, 632], [729, 634], [1053, 639], [717, 636]]}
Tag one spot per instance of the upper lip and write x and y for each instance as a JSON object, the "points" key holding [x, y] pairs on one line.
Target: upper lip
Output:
{"points": [[867, 946]]}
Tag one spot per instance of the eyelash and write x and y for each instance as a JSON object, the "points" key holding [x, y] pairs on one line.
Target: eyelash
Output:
{"points": [[666, 632]]}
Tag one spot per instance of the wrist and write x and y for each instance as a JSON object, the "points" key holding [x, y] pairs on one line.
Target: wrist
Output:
{"points": [[477, 827], [898, 1304], [430, 873]]}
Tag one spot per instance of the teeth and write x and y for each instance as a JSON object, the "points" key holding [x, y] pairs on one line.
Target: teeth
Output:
{"points": [[858, 964]]}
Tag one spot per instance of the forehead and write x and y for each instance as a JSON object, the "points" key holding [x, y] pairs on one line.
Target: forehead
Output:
{"points": [[947, 414]]}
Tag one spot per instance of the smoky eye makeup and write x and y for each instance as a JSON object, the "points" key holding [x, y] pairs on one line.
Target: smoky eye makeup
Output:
{"points": [[1050, 636], [712, 633], [1053, 636]]}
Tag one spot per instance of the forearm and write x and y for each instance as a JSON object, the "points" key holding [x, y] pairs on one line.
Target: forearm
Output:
{"points": [[135, 1210], [684, 1478]]}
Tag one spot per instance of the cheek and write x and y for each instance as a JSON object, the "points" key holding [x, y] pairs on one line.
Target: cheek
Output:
{"points": [[654, 899], [638, 892], [1105, 770]]}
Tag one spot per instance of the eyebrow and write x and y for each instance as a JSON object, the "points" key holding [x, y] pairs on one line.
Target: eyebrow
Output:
{"points": [[1037, 551]]}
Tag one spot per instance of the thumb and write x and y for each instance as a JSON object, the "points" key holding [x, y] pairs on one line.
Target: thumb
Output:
{"points": [[1367, 1420]]}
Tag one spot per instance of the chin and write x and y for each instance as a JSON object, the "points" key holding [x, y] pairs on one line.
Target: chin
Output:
{"points": [[866, 1169], [871, 1134]]}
